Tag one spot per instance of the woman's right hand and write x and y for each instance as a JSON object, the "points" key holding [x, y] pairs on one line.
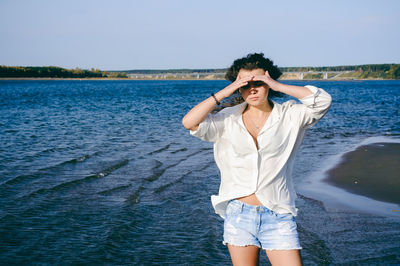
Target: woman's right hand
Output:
{"points": [[234, 86], [198, 113]]}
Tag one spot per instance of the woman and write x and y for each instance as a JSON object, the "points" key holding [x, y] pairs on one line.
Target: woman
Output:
{"points": [[255, 144]]}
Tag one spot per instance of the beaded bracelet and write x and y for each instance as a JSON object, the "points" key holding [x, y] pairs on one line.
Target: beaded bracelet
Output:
{"points": [[215, 98]]}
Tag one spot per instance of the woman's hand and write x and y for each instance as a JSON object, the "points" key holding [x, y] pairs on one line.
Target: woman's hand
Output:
{"points": [[273, 84], [234, 86]]}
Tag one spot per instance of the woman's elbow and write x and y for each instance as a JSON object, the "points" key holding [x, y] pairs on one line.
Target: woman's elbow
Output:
{"points": [[184, 122], [187, 125]]}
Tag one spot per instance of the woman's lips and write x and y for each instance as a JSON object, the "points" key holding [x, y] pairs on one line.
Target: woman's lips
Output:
{"points": [[253, 98]]}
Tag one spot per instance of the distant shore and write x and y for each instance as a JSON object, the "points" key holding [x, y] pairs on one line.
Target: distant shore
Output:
{"points": [[65, 79], [286, 79], [354, 72], [371, 170]]}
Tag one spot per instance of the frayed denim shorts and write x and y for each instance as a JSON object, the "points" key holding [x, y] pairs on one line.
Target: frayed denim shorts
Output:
{"points": [[259, 226]]}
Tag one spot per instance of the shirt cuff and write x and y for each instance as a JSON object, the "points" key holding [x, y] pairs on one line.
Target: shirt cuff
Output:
{"points": [[202, 129], [309, 100]]}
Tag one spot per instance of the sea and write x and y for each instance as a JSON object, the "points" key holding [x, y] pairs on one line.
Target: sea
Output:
{"points": [[103, 172]]}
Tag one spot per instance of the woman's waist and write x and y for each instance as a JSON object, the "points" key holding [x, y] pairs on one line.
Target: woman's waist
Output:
{"points": [[250, 200]]}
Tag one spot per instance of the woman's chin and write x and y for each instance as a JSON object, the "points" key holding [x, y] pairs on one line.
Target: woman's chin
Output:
{"points": [[256, 102]]}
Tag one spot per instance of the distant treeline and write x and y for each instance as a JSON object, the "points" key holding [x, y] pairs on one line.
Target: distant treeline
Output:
{"points": [[55, 72], [174, 71], [383, 71], [370, 67]]}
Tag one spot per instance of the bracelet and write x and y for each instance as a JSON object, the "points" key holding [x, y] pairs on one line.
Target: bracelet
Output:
{"points": [[215, 98]]}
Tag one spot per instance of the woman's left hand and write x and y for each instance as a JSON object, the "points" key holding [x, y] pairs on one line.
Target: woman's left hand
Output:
{"points": [[273, 84]]}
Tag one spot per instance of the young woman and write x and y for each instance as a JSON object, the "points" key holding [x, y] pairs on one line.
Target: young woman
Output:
{"points": [[255, 144]]}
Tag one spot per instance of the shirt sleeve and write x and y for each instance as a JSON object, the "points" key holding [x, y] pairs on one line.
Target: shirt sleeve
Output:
{"points": [[314, 106], [211, 128]]}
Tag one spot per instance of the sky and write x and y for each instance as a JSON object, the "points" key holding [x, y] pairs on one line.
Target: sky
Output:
{"points": [[170, 34]]}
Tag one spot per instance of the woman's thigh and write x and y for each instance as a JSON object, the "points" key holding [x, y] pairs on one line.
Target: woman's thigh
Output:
{"points": [[284, 257], [247, 255]]}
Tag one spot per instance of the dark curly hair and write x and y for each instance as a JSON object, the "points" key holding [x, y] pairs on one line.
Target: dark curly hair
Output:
{"points": [[254, 61], [250, 62]]}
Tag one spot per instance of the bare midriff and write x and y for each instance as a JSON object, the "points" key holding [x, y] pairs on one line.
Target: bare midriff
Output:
{"points": [[251, 199]]}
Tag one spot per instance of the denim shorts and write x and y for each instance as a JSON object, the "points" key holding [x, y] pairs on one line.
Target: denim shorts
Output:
{"points": [[259, 226]]}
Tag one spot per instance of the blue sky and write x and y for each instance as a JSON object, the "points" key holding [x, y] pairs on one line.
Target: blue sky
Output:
{"points": [[162, 34]]}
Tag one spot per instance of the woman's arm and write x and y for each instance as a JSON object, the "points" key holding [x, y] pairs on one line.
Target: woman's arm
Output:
{"points": [[296, 91], [315, 101], [198, 113]]}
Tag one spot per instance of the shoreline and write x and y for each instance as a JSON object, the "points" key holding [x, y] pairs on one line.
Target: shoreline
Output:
{"points": [[368, 193], [371, 170]]}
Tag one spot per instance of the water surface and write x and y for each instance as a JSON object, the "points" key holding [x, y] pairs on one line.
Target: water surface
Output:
{"points": [[103, 172]]}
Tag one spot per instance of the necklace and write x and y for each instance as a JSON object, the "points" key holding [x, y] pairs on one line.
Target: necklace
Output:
{"points": [[257, 127]]}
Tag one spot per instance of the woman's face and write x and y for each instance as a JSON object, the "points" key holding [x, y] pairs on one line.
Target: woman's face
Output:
{"points": [[255, 93]]}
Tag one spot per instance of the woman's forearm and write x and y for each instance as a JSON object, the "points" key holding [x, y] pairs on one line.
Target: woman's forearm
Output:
{"points": [[198, 113], [296, 91]]}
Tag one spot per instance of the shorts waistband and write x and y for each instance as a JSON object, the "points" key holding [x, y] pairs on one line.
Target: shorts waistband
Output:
{"points": [[255, 208]]}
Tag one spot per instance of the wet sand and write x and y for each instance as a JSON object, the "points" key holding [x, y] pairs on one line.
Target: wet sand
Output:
{"points": [[371, 170]]}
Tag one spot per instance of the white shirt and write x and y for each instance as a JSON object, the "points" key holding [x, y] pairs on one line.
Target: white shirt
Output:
{"points": [[265, 171]]}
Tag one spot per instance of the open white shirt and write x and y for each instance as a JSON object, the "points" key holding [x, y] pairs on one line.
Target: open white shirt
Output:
{"points": [[265, 171]]}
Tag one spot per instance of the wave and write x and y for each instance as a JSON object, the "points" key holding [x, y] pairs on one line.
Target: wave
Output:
{"points": [[160, 150], [179, 150], [135, 197], [157, 171], [110, 191], [23, 178], [162, 188], [73, 183], [79, 159]]}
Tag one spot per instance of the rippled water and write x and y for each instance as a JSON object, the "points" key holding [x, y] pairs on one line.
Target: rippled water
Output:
{"points": [[103, 172]]}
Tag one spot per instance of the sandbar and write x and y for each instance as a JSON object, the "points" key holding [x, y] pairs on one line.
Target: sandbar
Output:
{"points": [[371, 170]]}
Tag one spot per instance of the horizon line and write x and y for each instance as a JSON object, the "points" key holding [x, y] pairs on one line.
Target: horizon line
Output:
{"points": [[164, 69]]}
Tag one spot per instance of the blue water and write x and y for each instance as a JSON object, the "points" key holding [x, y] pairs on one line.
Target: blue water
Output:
{"points": [[103, 172]]}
